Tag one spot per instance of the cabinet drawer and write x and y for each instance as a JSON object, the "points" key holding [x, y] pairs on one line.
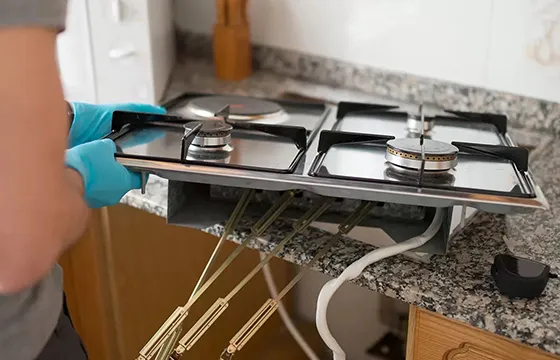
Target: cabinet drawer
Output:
{"points": [[434, 337]]}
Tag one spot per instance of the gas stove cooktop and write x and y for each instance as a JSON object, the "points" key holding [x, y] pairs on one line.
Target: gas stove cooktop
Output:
{"points": [[375, 152]]}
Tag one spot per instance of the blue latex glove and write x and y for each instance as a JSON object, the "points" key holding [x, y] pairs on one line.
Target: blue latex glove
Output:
{"points": [[92, 122], [105, 180]]}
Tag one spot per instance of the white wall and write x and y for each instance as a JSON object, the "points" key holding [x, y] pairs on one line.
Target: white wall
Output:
{"points": [[509, 45], [354, 314]]}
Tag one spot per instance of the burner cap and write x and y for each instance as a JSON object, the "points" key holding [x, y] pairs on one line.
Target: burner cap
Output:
{"points": [[240, 108], [213, 133], [407, 153]]}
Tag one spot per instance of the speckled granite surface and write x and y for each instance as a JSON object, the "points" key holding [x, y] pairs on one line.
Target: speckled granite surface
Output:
{"points": [[457, 285], [522, 111]]}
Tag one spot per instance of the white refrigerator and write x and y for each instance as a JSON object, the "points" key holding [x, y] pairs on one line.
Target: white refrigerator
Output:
{"points": [[117, 50]]}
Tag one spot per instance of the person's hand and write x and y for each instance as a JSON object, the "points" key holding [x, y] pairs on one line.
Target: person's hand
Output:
{"points": [[92, 122], [105, 180]]}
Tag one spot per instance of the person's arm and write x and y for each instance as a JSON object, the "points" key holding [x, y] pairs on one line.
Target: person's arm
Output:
{"points": [[42, 211]]}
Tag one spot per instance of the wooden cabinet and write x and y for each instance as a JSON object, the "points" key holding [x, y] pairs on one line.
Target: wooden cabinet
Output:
{"points": [[131, 270], [434, 337]]}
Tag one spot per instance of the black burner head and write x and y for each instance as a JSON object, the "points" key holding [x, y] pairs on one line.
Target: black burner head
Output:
{"points": [[240, 108], [213, 133], [397, 173]]}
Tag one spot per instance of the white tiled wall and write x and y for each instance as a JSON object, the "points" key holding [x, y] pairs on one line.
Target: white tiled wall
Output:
{"points": [[509, 45]]}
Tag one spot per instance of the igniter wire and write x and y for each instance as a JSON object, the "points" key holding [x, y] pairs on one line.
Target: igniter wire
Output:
{"points": [[169, 329], [423, 159], [229, 227], [257, 230], [271, 305], [221, 304], [167, 347], [171, 339]]}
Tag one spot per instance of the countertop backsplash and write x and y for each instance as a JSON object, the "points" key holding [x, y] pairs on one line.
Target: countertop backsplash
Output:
{"points": [[523, 112], [512, 46]]}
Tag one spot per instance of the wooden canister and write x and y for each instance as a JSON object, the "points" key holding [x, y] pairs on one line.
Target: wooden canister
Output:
{"points": [[232, 41]]}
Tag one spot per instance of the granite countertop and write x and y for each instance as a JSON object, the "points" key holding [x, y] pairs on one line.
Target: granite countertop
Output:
{"points": [[457, 285]]}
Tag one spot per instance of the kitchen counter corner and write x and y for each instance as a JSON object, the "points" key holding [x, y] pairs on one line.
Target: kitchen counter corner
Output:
{"points": [[457, 285]]}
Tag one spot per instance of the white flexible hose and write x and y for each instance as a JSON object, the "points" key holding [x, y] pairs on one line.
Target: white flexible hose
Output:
{"points": [[284, 314], [355, 269]]}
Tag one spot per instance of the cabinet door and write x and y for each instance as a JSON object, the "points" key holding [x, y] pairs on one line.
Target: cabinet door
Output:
{"points": [[127, 40], [132, 269], [74, 54], [434, 337]]}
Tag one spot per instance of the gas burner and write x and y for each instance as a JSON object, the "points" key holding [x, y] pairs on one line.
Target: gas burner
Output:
{"points": [[220, 155], [397, 173], [214, 135], [407, 153], [414, 123], [417, 135], [241, 109]]}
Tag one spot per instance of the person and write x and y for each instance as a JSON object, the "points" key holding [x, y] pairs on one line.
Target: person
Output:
{"points": [[55, 166]]}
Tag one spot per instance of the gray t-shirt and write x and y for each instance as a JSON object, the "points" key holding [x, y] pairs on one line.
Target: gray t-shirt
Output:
{"points": [[28, 319]]}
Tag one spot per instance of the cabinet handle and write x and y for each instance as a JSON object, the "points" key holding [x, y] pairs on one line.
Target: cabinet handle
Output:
{"points": [[470, 351], [116, 11], [122, 52]]}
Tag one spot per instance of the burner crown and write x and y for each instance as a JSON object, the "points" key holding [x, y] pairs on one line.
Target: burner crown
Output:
{"points": [[212, 133], [407, 153]]}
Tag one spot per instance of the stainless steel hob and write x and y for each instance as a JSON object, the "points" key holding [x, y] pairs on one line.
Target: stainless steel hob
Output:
{"points": [[320, 161], [350, 150]]}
